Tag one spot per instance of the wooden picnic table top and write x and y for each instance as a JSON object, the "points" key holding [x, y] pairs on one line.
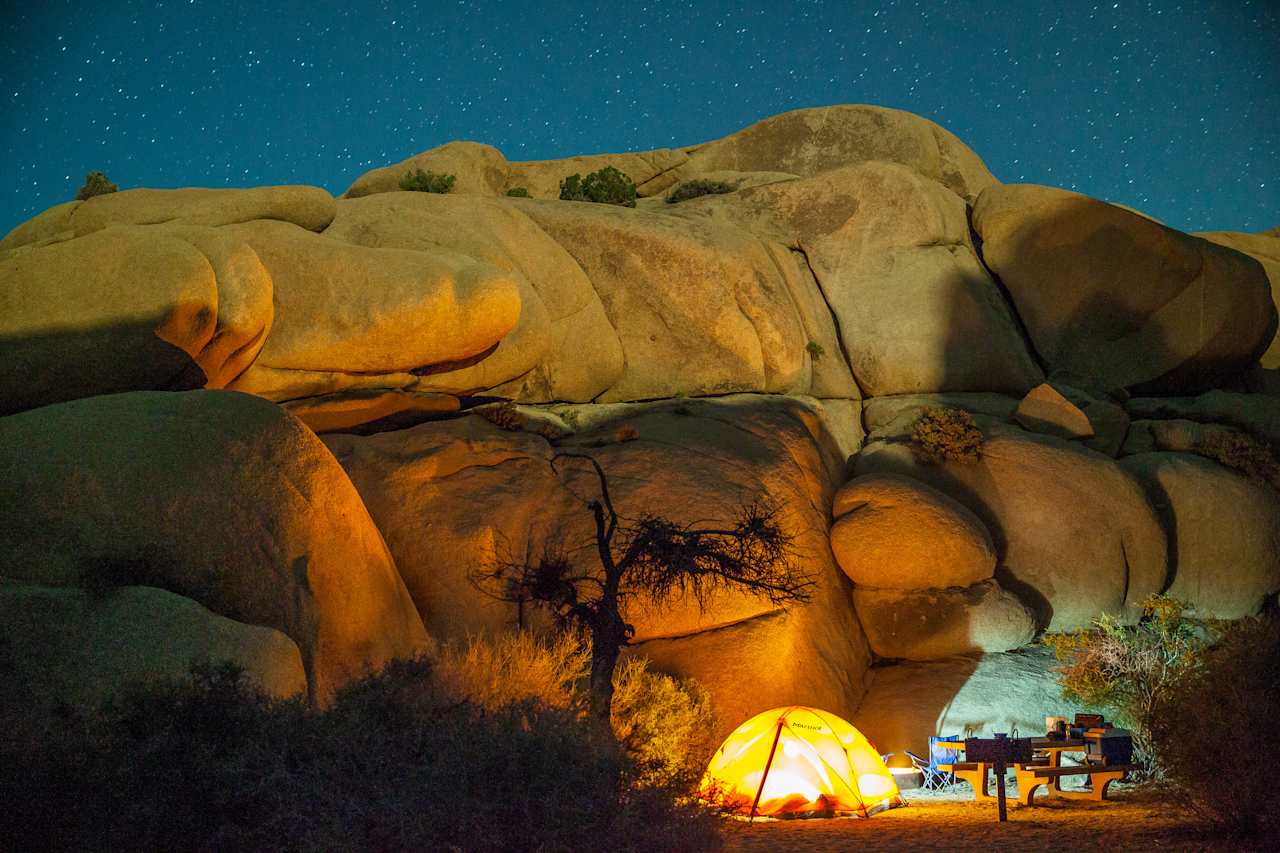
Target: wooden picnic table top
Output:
{"points": [[1043, 744]]}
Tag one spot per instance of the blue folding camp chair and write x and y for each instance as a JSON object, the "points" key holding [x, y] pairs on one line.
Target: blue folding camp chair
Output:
{"points": [[937, 769], [933, 778]]}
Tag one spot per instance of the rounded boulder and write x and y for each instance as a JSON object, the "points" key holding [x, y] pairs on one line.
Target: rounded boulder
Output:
{"points": [[1224, 531], [73, 646], [1113, 295], [895, 532], [220, 497]]}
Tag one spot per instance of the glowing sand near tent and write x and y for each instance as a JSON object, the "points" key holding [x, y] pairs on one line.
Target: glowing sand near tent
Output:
{"points": [[800, 762]]}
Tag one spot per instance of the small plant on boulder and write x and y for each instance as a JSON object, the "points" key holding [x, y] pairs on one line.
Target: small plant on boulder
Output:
{"points": [[815, 350], [698, 187], [95, 183], [518, 192], [607, 186], [947, 435], [426, 182], [1249, 455], [503, 415]]}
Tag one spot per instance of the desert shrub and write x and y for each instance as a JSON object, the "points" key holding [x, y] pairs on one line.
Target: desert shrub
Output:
{"points": [[947, 435], [815, 350], [607, 186], [519, 192], [391, 765], [504, 415], [1130, 670], [1243, 452], [426, 182], [697, 187], [1223, 714], [95, 183], [516, 667], [663, 724]]}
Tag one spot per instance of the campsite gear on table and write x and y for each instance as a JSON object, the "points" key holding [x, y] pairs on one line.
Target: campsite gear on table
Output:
{"points": [[1108, 746], [1001, 751], [1055, 727], [796, 762]]}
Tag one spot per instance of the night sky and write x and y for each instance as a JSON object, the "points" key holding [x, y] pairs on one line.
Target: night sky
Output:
{"points": [[1173, 108]]}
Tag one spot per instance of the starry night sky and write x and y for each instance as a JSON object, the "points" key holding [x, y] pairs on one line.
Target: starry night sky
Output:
{"points": [[1170, 107]]}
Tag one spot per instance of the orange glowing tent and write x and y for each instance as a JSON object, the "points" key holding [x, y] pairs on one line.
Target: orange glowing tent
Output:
{"points": [[797, 762]]}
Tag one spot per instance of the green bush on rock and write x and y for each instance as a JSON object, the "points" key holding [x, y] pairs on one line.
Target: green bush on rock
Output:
{"points": [[947, 435], [95, 183], [697, 187], [426, 182], [607, 186], [518, 192]]}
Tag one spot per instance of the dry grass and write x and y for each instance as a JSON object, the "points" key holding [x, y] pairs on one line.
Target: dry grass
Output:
{"points": [[513, 668]]}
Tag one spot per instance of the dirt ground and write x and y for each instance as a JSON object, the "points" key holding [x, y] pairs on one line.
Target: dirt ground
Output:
{"points": [[1134, 818]]}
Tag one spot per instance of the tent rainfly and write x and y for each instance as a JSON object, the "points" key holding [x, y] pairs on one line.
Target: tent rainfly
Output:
{"points": [[799, 762]]}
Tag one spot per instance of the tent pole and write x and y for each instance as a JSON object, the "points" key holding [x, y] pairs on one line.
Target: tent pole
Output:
{"points": [[767, 765]]}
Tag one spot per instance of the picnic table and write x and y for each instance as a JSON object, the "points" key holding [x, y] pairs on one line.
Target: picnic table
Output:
{"points": [[1045, 771]]}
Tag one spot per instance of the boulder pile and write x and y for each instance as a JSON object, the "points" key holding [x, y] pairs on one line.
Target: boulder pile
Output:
{"points": [[287, 429]]}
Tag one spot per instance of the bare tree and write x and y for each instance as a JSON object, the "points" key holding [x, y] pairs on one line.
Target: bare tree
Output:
{"points": [[650, 556]]}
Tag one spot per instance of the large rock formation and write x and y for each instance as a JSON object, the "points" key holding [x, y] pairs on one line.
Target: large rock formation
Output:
{"points": [[450, 346], [453, 498], [216, 496], [1115, 296]]}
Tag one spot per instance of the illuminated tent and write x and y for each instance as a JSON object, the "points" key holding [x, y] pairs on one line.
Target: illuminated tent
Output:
{"points": [[797, 761]]}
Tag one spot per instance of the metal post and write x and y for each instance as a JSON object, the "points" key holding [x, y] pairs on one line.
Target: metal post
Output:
{"points": [[1000, 769]]}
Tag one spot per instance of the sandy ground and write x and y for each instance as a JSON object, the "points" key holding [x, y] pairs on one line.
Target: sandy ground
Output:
{"points": [[1133, 818]]}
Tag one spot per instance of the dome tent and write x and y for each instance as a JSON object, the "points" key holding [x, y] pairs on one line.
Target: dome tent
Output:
{"points": [[799, 762]]}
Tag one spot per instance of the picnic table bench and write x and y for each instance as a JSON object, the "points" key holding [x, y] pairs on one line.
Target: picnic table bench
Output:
{"points": [[1031, 777]]}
